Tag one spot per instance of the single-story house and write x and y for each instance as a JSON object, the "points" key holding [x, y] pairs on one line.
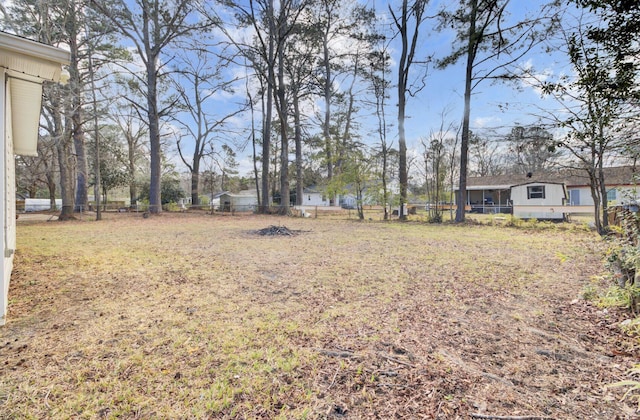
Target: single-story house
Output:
{"points": [[24, 65], [492, 194], [243, 201], [312, 196]]}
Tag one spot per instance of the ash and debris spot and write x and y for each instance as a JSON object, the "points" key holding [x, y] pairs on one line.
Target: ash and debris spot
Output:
{"points": [[277, 231]]}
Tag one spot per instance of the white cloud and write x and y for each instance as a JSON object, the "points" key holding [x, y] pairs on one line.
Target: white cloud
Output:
{"points": [[486, 122]]}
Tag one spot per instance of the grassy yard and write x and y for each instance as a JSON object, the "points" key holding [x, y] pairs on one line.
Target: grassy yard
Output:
{"points": [[194, 316]]}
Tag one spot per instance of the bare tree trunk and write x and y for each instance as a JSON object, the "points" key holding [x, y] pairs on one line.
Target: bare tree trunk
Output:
{"points": [[96, 140], [402, 158], [605, 202], [284, 139], [266, 132], [461, 200], [82, 167], [597, 199], [273, 180], [65, 163], [298, 142], [464, 144], [82, 198], [380, 88], [328, 146], [407, 54], [155, 199], [51, 184], [253, 145], [195, 182]]}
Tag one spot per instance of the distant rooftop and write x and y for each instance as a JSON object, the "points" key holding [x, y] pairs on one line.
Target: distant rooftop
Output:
{"points": [[619, 175]]}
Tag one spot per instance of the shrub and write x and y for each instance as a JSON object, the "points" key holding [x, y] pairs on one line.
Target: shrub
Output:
{"points": [[621, 297], [172, 207], [590, 292], [514, 221], [204, 200], [170, 191]]}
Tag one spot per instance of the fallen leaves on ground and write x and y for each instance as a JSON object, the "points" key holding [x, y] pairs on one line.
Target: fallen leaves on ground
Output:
{"points": [[188, 316]]}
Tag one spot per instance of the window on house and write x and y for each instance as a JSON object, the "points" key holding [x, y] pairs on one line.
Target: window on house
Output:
{"points": [[535, 191], [612, 194], [574, 197]]}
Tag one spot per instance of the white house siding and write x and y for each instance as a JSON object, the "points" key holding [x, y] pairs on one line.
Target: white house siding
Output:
{"points": [[625, 195], [8, 170], [554, 196], [24, 65], [315, 199], [8, 209], [581, 196]]}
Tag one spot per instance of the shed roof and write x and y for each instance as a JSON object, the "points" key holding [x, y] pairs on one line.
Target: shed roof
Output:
{"points": [[537, 182]]}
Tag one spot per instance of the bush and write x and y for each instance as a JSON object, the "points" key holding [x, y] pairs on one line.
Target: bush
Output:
{"points": [[514, 221], [590, 292], [622, 261], [621, 297], [170, 191], [172, 207], [204, 200]]}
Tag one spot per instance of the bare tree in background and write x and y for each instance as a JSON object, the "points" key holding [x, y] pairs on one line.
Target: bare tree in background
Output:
{"points": [[379, 60], [485, 156], [438, 153], [408, 22], [531, 149], [199, 81], [126, 116], [154, 27]]}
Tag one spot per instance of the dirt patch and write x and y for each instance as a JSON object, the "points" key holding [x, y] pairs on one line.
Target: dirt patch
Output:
{"points": [[187, 315]]}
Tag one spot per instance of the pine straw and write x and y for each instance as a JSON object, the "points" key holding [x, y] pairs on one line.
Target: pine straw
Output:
{"points": [[194, 316]]}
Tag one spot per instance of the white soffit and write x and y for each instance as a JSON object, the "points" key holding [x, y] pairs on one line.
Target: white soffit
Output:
{"points": [[28, 64], [25, 101], [489, 187], [32, 58]]}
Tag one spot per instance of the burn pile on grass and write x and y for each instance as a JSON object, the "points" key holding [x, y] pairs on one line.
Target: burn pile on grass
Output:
{"points": [[277, 231]]}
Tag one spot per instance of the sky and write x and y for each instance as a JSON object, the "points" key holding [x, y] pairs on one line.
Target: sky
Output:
{"points": [[495, 107]]}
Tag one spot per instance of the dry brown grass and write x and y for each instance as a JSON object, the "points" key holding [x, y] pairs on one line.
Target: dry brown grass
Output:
{"points": [[196, 316]]}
